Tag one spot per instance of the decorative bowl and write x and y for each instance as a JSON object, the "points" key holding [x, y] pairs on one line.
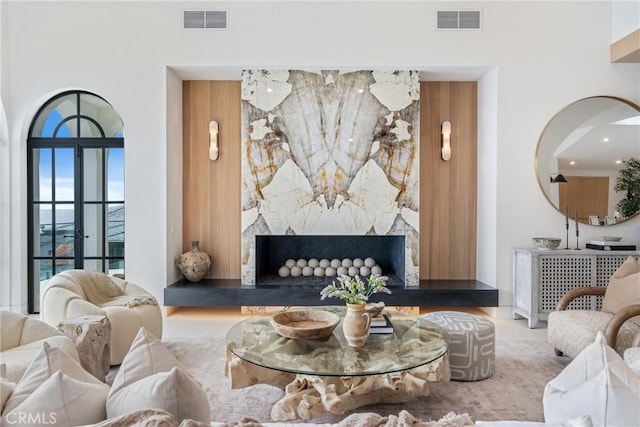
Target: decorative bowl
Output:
{"points": [[305, 324], [546, 243], [611, 238]]}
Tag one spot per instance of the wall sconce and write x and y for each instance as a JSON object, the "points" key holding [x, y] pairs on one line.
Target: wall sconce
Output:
{"points": [[213, 140], [446, 140], [558, 179]]}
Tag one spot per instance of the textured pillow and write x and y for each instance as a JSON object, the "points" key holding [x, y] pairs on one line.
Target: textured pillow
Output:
{"points": [[624, 288], [584, 421], [632, 359], [61, 401], [47, 361], [6, 388], [147, 356], [596, 383], [177, 392]]}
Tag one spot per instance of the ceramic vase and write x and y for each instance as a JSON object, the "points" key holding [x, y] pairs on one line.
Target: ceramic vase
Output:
{"points": [[194, 264], [355, 325]]}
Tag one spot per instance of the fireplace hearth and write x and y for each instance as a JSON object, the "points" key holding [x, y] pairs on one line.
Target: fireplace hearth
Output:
{"points": [[272, 251]]}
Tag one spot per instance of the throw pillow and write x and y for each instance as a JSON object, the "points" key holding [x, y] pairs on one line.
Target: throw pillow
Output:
{"points": [[141, 418], [6, 387], [61, 401], [624, 288], [146, 356], [584, 421], [47, 361], [632, 359], [177, 392], [596, 383]]}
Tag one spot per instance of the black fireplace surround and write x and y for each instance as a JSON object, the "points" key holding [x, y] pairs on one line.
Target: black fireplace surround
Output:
{"points": [[272, 252], [271, 290]]}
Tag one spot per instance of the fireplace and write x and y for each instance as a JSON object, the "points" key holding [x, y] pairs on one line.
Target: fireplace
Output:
{"points": [[272, 252], [344, 187]]}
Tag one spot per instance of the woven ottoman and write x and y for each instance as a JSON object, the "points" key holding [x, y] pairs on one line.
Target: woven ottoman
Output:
{"points": [[471, 341]]}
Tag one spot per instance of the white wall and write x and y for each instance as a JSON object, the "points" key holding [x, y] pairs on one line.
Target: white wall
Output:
{"points": [[487, 177], [625, 18], [123, 50]]}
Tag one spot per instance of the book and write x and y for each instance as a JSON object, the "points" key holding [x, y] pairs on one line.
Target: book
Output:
{"points": [[386, 328], [379, 320], [610, 243], [627, 247]]}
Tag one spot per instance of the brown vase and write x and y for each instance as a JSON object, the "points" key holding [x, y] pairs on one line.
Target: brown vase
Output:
{"points": [[194, 264], [355, 325]]}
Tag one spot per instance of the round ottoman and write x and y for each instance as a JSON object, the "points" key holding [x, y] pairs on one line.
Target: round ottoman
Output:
{"points": [[471, 341]]}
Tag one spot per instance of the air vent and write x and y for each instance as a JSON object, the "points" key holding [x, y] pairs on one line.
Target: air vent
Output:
{"points": [[204, 19], [458, 20]]}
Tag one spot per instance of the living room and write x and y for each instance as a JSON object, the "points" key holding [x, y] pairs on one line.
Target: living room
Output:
{"points": [[528, 61]]}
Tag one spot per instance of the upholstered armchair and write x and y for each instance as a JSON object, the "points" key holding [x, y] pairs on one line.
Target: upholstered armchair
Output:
{"points": [[128, 307], [21, 339], [570, 331]]}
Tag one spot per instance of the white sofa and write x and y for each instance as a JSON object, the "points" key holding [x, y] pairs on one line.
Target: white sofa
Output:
{"points": [[21, 339], [128, 307]]}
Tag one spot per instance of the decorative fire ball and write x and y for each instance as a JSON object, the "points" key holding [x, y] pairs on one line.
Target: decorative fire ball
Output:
{"points": [[330, 268]]}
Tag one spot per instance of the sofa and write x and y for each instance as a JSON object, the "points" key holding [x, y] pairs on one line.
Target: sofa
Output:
{"points": [[128, 306], [21, 339]]}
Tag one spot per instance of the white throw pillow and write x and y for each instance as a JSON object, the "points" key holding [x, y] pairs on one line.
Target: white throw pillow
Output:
{"points": [[176, 392], [624, 288], [146, 356], [598, 383], [6, 388], [60, 401], [47, 361], [584, 421], [632, 359]]}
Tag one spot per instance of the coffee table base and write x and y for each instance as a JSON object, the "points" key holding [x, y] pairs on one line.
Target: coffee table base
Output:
{"points": [[310, 396]]}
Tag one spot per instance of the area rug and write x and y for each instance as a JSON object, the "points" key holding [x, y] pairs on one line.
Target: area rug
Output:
{"points": [[514, 392]]}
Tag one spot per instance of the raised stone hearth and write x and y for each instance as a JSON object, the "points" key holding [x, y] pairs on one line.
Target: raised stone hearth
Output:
{"points": [[230, 292]]}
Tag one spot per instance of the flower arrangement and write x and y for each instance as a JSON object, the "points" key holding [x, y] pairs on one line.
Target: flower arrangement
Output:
{"points": [[354, 290]]}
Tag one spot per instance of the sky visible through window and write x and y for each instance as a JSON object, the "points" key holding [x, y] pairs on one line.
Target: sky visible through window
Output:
{"points": [[64, 168]]}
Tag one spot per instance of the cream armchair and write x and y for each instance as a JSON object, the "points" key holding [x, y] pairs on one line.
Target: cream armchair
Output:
{"points": [[128, 307], [570, 331], [21, 339]]}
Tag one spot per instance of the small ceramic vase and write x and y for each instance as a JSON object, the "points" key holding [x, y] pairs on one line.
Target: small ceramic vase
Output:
{"points": [[194, 264], [355, 325]]}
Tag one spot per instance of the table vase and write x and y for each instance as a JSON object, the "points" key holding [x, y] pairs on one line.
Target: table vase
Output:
{"points": [[355, 325], [194, 264]]}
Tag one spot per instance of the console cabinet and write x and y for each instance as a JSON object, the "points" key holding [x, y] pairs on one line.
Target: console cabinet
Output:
{"points": [[541, 278]]}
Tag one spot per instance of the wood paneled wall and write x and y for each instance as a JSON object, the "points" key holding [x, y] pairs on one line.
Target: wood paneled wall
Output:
{"points": [[448, 193], [586, 195], [212, 189], [211, 207]]}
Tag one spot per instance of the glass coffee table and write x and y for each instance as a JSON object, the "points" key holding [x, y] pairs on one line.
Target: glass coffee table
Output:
{"points": [[328, 376]]}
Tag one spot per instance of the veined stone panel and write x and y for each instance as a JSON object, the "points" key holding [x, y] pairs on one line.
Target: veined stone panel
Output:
{"points": [[330, 153]]}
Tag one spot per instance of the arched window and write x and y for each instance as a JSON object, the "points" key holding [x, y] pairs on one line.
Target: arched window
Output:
{"points": [[75, 189]]}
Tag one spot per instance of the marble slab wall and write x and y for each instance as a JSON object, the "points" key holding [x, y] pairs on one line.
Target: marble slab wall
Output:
{"points": [[330, 153]]}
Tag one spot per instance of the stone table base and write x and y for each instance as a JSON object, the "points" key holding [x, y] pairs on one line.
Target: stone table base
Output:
{"points": [[310, 396], [92, 335]]}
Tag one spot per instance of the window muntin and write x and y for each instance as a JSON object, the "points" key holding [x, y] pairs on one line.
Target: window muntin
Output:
{"points": [[76, 189]]}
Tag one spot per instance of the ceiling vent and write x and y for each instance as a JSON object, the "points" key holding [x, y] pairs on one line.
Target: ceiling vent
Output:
{"points": [[205, 19], [458, 20]]}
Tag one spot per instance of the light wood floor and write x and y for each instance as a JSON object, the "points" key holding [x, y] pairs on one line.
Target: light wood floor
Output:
{"points": [[196, 322]]}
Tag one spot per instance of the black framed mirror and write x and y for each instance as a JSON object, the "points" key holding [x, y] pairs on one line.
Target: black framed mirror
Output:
{"points": [[588, 160]]}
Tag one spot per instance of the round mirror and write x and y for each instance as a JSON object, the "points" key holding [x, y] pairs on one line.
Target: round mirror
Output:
{"points": [[588, 160]]}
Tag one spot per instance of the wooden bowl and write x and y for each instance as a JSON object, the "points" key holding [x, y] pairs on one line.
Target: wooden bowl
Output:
{"points": [[305, 324]]}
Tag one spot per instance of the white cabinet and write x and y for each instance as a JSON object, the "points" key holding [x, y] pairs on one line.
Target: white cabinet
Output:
{"points": [[541, 278]]}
